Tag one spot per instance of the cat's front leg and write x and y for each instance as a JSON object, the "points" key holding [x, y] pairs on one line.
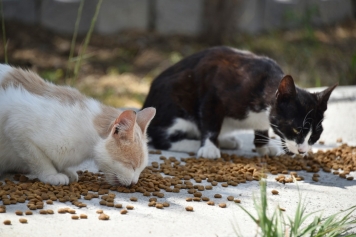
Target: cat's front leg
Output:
{"points": [[72, 175], [39, 164], [209, 149], [263, 144], [210, 125]]}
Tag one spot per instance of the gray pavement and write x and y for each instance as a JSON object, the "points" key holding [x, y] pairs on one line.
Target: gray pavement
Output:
{"points": [[330, 195]]}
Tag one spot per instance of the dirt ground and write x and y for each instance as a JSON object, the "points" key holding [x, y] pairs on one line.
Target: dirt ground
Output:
{"points": [[118, 69]]}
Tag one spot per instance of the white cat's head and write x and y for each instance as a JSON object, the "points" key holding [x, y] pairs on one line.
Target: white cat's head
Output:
{"points": [[123, 154]]}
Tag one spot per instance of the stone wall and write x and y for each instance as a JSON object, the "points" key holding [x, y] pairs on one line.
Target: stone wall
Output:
{"points": [[174, 16]]}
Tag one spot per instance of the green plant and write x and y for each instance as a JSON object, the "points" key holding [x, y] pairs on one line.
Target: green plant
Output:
{"points": [[74, 38], [3, 31], [275, 224], [86, 40]]}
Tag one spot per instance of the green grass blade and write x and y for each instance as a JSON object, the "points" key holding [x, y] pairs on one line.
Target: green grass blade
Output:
{"points": [[74, 38], [3, 32], [86, 41]]}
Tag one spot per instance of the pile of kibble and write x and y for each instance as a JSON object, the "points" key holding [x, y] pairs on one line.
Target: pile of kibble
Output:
{"points": [[173, 175]]}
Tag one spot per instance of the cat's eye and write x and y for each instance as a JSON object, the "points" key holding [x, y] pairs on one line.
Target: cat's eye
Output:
{"points": [[295, 131]]}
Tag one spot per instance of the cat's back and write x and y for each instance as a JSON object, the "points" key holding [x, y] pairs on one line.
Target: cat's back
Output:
{"points": [[17, 79]]}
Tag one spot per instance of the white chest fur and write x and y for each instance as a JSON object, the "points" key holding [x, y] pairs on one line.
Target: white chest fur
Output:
{"points": [[256, 121]]}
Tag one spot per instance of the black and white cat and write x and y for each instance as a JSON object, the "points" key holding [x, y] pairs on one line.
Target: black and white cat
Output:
{"points": [[206, 96]]}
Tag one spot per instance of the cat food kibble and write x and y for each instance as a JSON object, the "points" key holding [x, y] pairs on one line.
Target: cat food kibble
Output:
{"points": [[99, 211], [28, 213], [230, 198], [83, 216], [159, 205], [104, 217], [7, 222], [189, 208], [23, 220], [123, 212], [129, 207], [118, 205], [211, 203], [217, 195], [134, 199], [237, 201], [222, 205], [275, 192], [19, 213], [75, 217]]}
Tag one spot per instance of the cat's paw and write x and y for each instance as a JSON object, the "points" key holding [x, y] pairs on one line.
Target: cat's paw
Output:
{"points": [[269, 150], [55, 179], [209, 151], [72, 175], [230, 143]]}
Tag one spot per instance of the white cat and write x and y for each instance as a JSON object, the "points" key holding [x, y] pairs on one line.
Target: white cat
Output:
{"points": [[45, 129]]}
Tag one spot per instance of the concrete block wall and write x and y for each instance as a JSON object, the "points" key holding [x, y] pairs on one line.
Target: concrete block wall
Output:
{"points": [[179, 16], [118, 15], [169, 17]]}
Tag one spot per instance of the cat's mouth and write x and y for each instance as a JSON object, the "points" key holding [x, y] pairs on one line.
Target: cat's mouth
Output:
{"points": [[114, 180]]}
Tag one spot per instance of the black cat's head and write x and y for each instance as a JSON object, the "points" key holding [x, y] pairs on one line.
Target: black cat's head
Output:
{"points": [[297, 115]]}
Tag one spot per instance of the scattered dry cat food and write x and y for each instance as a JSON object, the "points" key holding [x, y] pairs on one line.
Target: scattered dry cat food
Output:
{"points": [[166, 204], [159, 205], [350, 178], [321, 142], [129, 207], [99, 211], [83, 216], [315, 179], [123, 212], [19, 213], [189, 208], [217, 195], [275, 192], [28, 213], [43, 212], [104, 217], [211, 203], [152, 199], [230, 198], [7, 222], [205, 199], [339, 140], [189, 199], [75, 217], [23, 220], [237, 200], [282, 209], [134, 199], [173, 175], [222, 205], [118, 205]]}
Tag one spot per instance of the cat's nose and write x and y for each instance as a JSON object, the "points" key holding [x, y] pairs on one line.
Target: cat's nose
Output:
{"points": [[301, 151]]}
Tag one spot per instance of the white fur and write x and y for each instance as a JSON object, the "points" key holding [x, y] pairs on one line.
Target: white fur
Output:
{"points": [[4, 69], [299, 148], [46, 137], [229, 142], [184, 125], [255, 121], [209, 150]]}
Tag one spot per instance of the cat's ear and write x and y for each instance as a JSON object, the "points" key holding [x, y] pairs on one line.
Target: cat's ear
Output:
{"points": [[286, 88], [124, 125], [144, 117], [324, 96]]}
